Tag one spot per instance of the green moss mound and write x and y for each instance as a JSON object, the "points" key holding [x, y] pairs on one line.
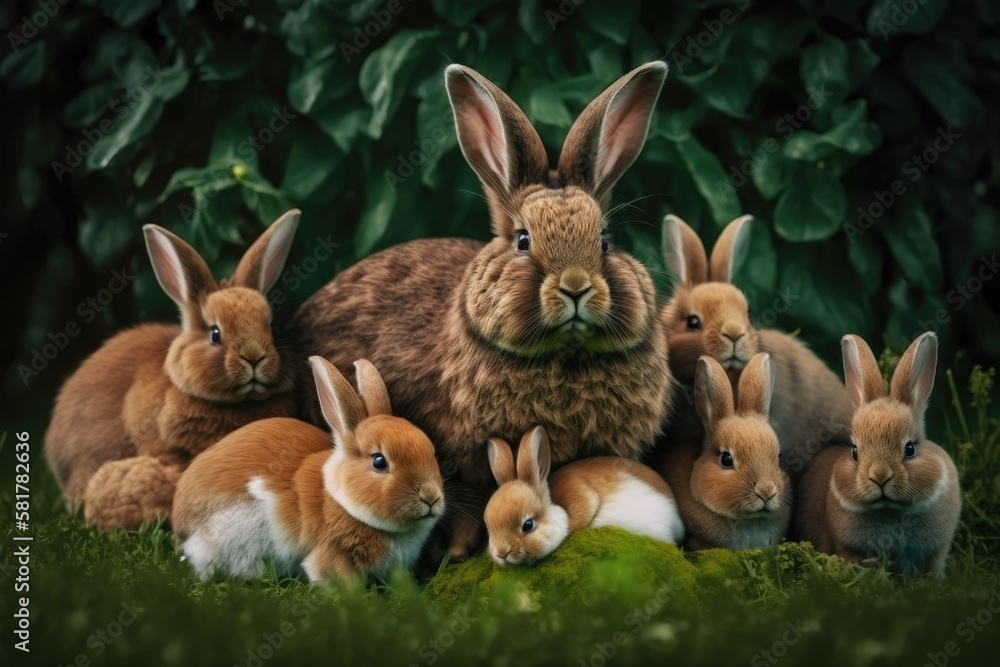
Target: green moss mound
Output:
{"points": [[594, 563]]}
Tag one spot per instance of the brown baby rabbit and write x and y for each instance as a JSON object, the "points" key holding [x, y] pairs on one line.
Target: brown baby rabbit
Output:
{"points": [[730, 488], [893, 492], [277, 489], [531, 514], [131, 418], [708, 315], [547, 323]]}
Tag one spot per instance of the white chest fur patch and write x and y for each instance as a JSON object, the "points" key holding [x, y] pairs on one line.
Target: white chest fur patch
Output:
{"points": [[640, 509]]}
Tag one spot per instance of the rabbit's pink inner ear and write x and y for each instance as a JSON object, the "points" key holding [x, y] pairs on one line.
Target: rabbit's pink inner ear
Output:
{"points": [[501, 460], [913, 380], [756, 385], [372, 388], [533, 457], [261, 265], [713, 394], [337, 400], [861, 372], [609, 134], [683, 252], [179, 269], [730, 249]]}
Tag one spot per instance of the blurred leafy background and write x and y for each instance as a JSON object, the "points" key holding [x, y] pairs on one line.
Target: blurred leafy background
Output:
{"points": [[212, 118]]}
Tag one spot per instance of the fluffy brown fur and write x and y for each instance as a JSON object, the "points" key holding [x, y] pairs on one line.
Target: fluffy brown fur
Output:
{"points": [[811, 408], [305, 504], [480, 340], [883, 500], [131, 418], [746, 503]]}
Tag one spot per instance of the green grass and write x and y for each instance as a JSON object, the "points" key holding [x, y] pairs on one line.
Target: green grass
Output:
{"points": [[603, 592]]}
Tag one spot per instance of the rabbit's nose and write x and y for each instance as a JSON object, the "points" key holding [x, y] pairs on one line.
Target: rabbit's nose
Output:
{"points": [[880, 475], [733, 336], [574, 282], [429, 495], [766, 491]]}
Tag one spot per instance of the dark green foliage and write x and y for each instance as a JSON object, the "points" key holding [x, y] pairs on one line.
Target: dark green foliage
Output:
{"points": [[213, 118]]}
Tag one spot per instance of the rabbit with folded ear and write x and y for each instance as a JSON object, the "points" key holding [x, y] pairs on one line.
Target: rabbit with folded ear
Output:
{"points": [[893, 491], [548, 323], [131, 418], [730, 488], [708, 315], [276, 489], [531, 514]]}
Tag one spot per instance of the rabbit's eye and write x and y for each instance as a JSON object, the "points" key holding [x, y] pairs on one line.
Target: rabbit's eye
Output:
{"points": [[910, 449], [528, 525], [216, 334], [604, 243], [726, 460], [854, 452], [523, 241], [693, 322], [379, 463]]}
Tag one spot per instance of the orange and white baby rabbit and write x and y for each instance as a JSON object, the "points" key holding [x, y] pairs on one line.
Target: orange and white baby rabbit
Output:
{"points": [[894, 491], [277, 489], [530, 514], [730, 488]]}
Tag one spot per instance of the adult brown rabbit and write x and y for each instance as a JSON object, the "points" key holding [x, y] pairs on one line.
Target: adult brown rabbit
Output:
{"points": [[130, 419], [546, 324]]}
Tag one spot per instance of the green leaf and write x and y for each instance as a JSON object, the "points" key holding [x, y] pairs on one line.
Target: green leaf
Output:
{"points": [[105, 233], [460, 12], [611, 20], [137, 124], [888, 18], [932, 71], [812, 207], [385, 73], [709, 177], [852, 134], [25, 67], [725, 86], [911, 241], [127, 13], [531, 18], [833, 68], [375, 220], [826, 294], [311, 160], [90, 104], [316, 84], [867, 259]]}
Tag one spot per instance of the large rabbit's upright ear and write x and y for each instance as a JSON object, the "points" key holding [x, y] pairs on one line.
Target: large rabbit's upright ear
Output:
{"points": [[372, 388], [338, 401], [180, 270], [501, 460], [756, 385], [713, 394], [497, 139], [262, 263], [861, 373], [730, 249], [533, 458], [609, 134], [914, 377], [683, 252]]}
